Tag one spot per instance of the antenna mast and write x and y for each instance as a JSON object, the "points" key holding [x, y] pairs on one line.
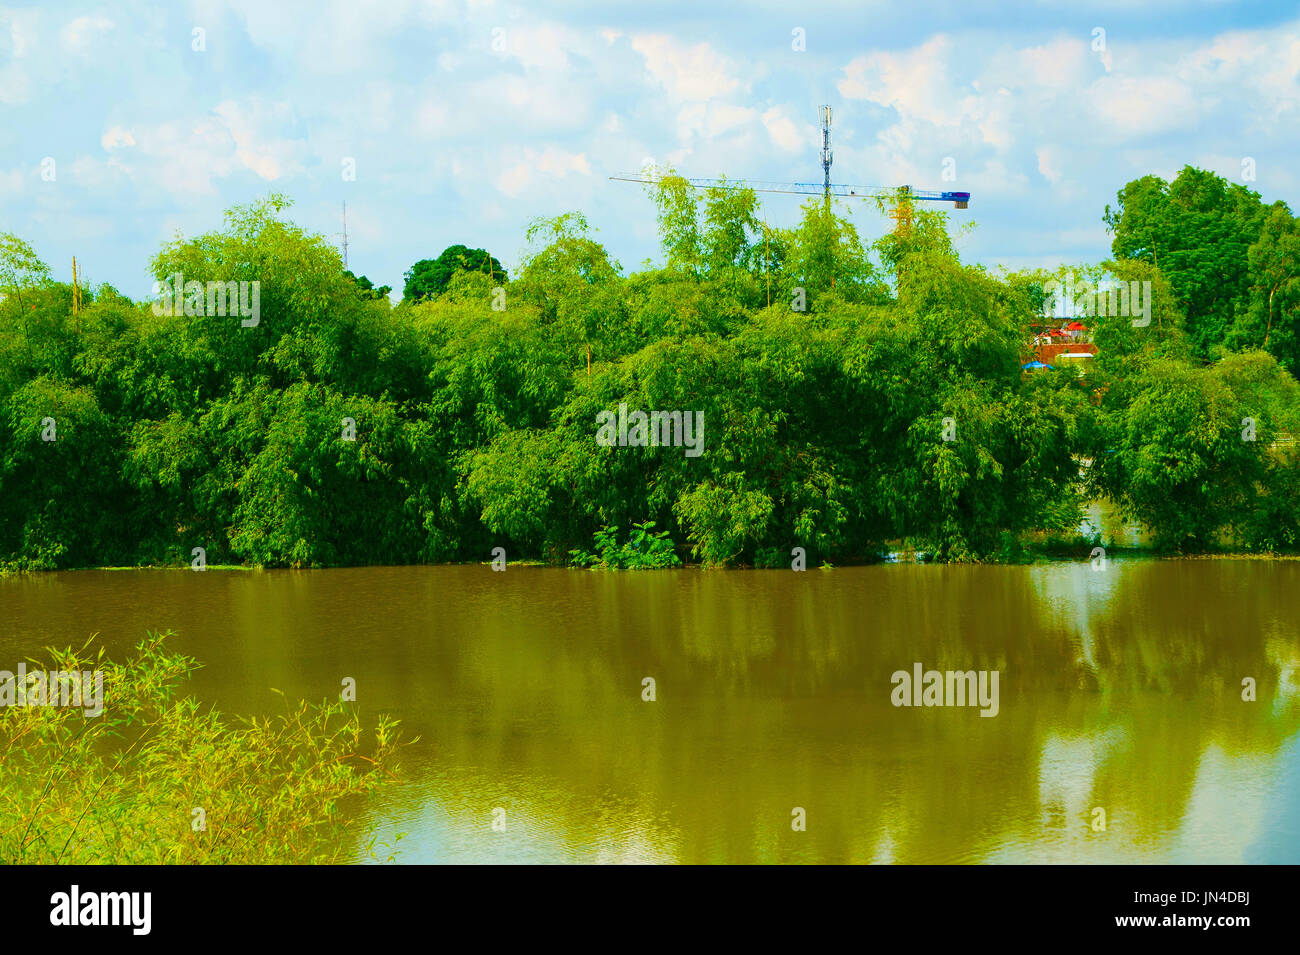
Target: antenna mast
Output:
{"points": [[825, 112], [345, 233]]}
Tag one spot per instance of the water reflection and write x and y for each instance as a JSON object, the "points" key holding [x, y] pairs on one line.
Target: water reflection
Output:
{"points": [[1120, 689]]}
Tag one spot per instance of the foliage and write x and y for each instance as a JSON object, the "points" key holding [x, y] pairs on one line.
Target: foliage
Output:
{"points": [[643, 550], [1174, 450], [429, 278], [1197, 230], [367, 289], [121, 788], [1270, 318], [892, 410]]}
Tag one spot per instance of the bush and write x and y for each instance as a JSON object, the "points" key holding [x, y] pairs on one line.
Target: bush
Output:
{"points": [[644, 550], [122, 788]]}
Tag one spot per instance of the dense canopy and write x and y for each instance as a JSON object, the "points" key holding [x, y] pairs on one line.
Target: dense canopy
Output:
{"points": [[854, 398]]}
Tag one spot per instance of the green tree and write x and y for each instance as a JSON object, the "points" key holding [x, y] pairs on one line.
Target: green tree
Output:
{"points": [[1197, 231], [428, 278], [1271, 318], [1174, 457], [368, 290], [22, 274]]}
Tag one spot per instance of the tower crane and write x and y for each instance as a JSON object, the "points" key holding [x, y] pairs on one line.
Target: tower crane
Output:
{"points": [[901, 196]]}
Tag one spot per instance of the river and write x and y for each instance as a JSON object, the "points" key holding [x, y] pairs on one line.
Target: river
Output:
{"points": [[772, 735]]}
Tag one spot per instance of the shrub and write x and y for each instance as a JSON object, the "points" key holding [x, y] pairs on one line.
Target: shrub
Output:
{"points": [[122, 788], [644, 550]]}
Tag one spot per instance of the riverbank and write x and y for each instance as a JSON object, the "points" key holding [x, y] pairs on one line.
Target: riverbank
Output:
{"points": [[1047, 554]]}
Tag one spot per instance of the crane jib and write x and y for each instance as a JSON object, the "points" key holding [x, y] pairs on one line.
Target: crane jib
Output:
{"points": [[960, 199]]}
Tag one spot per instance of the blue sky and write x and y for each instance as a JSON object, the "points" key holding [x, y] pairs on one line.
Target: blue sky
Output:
{"points": [[466, 120]]}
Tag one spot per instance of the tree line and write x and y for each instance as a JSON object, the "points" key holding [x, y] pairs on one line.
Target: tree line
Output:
{"points": [[858, 397]]}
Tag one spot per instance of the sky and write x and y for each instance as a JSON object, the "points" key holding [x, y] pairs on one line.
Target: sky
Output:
{"points": [[124, 124]]}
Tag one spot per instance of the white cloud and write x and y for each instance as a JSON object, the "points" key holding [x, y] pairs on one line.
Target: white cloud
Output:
{"points": [[187, 157], [339, 36], [115, 138], [550, 103], [783, 132], [12, 183], [256, 146], [431, 119], [687, 72], [994, 179], [546, 46], [724, 117], [549, 162], [1262, 66], [79, 36], [1049, 163], [714, 120], [183, 157], [22, 31], [15, 87], [1131, 107], [91, 173], [915, 83]]}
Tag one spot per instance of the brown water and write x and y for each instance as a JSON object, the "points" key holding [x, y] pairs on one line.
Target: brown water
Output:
{"points": [[1119, 689]]}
